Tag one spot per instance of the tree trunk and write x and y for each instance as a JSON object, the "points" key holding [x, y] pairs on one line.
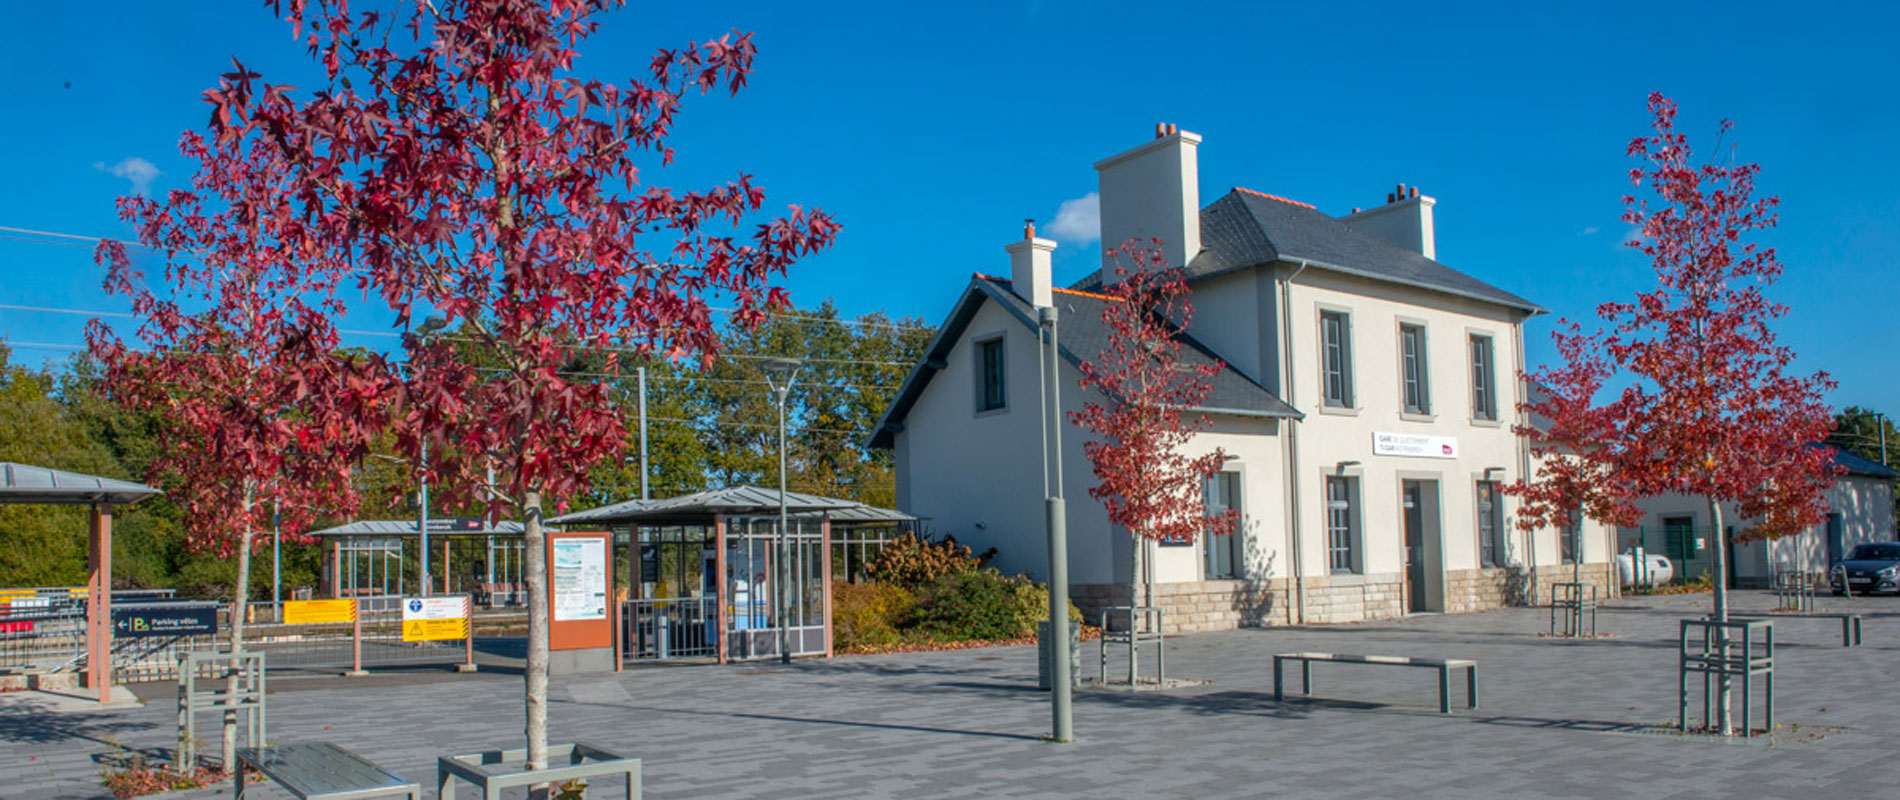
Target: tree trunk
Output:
{"points": [[238, 610], [535, 577], [1721, 612]]}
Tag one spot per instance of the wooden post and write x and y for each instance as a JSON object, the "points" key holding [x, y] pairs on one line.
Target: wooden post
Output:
{"points": [[99, 603], [336, 567], [356, 637], [722, 582], [468, 611], [824, 558]]}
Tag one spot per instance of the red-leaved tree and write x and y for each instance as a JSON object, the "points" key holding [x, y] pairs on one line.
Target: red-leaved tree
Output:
{"points": [[262, 410], [1144, 425], [1711, 410], [1574, 444], [455, 161]]}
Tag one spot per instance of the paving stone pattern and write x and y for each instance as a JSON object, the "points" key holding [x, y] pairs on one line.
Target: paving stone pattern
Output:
{"points": [[1561, 718]]}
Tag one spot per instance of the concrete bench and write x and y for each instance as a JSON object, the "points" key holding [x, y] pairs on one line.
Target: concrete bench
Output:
{"points": [[1850, 623], [1443, 665], [321, 771]]}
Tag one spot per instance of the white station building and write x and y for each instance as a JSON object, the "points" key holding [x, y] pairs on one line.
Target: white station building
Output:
{"points": [[1366, 400]]}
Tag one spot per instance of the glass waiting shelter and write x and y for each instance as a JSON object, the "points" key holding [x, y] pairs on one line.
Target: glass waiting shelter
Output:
{"points": [[379, 558], [709, 576]]}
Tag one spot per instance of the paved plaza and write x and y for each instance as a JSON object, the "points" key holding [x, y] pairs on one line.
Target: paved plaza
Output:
{"points": [[1559, 719]]}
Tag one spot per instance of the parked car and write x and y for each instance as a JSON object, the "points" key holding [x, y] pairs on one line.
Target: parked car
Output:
{"points": [[1868, 569], [1656, 569]]}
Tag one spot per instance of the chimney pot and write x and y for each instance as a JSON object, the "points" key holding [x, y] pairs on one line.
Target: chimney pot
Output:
{"points": [[1389, 198], [1029, 229], [1355, 209], [1414, 192], [1161, 130], [1172, 130]]}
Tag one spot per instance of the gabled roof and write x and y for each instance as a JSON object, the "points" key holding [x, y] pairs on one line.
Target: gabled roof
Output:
{"points": [[729, 501], [24, 483], [1245, 228], [1082, 335]]}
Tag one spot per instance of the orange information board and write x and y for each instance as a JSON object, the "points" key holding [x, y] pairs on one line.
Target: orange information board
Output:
{"points": [[580, 580]]}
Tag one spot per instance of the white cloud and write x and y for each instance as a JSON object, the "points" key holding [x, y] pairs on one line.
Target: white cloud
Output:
{"points": [[1590, 231], [1078, 220], [137, 170]]}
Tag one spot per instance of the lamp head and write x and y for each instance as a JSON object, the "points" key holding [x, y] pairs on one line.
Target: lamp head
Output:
{"points": [[779, 367]]}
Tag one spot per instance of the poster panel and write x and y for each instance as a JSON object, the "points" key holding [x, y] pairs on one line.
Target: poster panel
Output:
{"points": [[580, 579]]}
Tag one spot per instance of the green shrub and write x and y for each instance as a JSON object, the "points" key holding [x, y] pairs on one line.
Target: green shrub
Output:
{"points": [[911, 562], [1032, 605], [869, 614], [970, 605]]}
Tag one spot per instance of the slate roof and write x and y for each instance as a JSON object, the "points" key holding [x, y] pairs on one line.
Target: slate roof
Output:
{"points": [[1245, 228], [24, 483], [729, 501], [1082, 336], [1863, 467]]}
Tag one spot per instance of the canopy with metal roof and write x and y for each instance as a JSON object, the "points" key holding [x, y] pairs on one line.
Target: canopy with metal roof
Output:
{"points": [[24, 483], [731, 501], [407, 527]]}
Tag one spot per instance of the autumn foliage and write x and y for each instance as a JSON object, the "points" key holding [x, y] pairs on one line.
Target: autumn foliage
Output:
{"points": [[453, 160], [1714, 411], [1142, 427]]}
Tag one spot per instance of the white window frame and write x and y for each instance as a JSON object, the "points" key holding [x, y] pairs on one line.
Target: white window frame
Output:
{"points": [[1422, 357], [1346, 399], [1484, 376]]}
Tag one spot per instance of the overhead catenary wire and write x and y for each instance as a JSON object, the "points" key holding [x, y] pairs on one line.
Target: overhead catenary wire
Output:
{"points": [[460, 338], [19, 234]]}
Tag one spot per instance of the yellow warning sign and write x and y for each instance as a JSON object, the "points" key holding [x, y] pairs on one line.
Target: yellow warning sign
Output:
{"points": [[312, 612], [431, 630], [429, 619]]}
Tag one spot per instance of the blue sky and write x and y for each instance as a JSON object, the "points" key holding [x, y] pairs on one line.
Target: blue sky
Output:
{"points": [[930, 132]]}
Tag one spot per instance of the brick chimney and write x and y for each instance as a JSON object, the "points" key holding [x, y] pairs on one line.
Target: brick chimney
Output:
{"points": [[1404, 220], [1153, 192], [1029, 273]]}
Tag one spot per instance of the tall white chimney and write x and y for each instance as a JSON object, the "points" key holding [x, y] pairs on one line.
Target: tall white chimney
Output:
{"points": [[1404, 220], [1153, 192], [1029, 273]]}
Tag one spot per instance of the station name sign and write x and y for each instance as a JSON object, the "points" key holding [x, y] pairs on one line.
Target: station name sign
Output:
{"points": [[1414, 445]]}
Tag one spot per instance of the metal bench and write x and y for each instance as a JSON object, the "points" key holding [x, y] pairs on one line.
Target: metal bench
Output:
{"points": [[321, 771], [1443, 665], [1850, 623]]}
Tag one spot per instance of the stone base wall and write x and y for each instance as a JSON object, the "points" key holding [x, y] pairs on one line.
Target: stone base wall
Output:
{"points": [[1354, 598], [1597, 575], [1196, 606], [1484, 589], [1224, 605]]}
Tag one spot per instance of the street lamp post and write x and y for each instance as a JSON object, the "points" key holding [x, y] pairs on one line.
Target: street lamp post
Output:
{"points": [[1062, 727], [429, 325], [779, 375]]}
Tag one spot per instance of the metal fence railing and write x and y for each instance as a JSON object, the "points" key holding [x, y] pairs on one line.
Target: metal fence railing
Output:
{"points": [[655, 629], [51, 637]]}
